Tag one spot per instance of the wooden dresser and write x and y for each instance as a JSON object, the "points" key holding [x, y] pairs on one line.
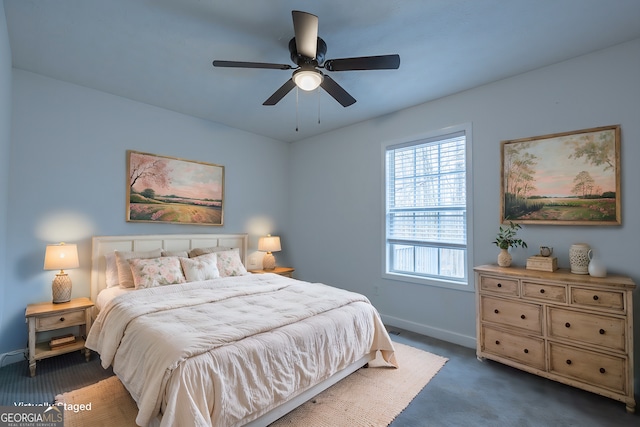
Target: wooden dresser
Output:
{"points": [[570, 328]]}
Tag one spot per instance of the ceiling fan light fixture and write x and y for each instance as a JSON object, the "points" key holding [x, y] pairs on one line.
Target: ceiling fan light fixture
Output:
{"points": [[307, 79]]}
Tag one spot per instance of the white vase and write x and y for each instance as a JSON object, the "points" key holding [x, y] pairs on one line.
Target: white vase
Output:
{"points": [[579, 258], [504, 258], [596, 266]]}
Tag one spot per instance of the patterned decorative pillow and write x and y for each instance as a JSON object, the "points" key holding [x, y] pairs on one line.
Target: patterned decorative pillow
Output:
{"points": [[203, 267], [152, 272], [230, 264], [124, 269]]}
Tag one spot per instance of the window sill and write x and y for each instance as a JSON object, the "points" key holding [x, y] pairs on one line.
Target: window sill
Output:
{"points": [[456, 286]]}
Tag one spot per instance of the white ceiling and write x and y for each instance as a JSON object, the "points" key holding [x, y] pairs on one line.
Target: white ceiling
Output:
{"points": [[160, 51]]}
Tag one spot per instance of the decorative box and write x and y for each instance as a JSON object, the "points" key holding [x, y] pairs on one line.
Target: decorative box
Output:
{"points": [[542, 263]]}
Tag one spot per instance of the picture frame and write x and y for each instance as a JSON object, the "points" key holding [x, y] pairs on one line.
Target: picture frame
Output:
{"points": [[569, 178], [171, 190]]}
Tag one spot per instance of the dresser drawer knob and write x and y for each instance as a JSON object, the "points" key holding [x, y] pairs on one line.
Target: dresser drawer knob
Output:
{"points": [[62, 319], [497, 342], [526, 350], [595, 297], [496, 311], [568, 361], [522, 316], [601, 331], [602, 370], [568, 325], [542, 291], [499, 285]]}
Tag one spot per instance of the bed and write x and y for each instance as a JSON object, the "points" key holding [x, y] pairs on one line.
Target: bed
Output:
{"points": [[224, 351]]}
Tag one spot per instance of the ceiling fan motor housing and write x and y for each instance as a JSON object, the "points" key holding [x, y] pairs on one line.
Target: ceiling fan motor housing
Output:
{"points": [[301, 60]]}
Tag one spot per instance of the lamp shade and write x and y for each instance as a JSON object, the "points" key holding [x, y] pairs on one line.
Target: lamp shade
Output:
{"points": [[61, 257], [307, 79], [269, 243]]}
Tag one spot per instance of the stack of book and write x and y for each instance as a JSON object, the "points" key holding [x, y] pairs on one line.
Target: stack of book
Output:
{"points": [[61, 341]]}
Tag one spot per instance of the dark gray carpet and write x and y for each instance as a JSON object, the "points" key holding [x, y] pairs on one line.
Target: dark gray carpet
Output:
{"points": [[53, 376], [465, 393]]}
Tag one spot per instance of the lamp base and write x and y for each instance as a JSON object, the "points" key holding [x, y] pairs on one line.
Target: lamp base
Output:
{"points": [[61, 288], [269, 261]]}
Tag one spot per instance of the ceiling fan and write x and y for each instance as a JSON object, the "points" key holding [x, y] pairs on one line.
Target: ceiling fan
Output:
{"points": [[307, 52]]}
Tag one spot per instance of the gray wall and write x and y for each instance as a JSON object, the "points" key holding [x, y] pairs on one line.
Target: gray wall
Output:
{"points": [[337, 179], [5, 145], [67, 181]]}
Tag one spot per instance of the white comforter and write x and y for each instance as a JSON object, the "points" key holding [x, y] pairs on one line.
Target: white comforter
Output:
{"points": [[225, 351]]}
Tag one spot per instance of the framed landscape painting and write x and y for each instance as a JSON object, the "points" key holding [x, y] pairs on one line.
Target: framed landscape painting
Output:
{"points": [[570, 178], [171, 190]]}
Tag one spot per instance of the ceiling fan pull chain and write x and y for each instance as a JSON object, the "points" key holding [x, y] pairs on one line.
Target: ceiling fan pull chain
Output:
{"points": [[297, 108], [318, 105]]}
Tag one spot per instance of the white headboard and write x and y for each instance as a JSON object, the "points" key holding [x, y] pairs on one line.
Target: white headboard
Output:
{"points": [[168, 242]]}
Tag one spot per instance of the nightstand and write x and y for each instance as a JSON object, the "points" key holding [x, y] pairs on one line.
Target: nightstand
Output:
{"points": [[47, 316], [283, 271]]}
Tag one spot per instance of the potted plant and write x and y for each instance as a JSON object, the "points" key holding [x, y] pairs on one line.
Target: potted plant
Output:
{"points": [[506, 239]]}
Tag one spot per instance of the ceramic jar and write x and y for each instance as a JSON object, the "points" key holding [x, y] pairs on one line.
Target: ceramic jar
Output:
{"points": [[579, 258], [596, 266]]}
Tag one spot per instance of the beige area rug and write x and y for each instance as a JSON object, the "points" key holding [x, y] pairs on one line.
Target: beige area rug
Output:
{"points": [[370, 397]]}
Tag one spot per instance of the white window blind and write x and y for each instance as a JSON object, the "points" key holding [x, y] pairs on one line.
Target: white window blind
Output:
{"points": [[426, 230]]}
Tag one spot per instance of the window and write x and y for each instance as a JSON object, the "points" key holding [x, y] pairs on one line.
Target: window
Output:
{"points": [[426, 208]]}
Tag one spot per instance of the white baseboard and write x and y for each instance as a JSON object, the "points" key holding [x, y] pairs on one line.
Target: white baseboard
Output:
{"points": [[14, 356], [441, 334]]}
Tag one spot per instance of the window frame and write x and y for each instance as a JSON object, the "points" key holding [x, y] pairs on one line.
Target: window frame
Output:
{"points": [[465, 128]]}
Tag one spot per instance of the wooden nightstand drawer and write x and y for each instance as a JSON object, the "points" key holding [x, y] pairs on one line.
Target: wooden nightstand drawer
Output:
{"points": [[60, 320], [594, 368], [589, 328], [544, 291], [598, 298], [512, 314], [499, 285], [527, 350]]}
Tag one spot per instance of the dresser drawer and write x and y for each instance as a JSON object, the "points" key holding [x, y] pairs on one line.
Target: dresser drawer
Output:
{"points": [[499, 285], [526, 350], [544, 292], [597, 298], [594, 368], [512, 313], [589, 328], [60, 320]]}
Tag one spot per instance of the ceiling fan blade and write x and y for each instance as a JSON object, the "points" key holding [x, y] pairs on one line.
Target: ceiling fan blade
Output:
{"points": [[305, 27], [337, 92], [240, 64], [382, 62], [280, 93]]}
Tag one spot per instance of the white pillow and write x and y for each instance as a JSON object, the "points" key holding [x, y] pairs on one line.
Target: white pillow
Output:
{"points": [[230, 264], [203, 267], [111, 270], [152, 272], [124, 269]]}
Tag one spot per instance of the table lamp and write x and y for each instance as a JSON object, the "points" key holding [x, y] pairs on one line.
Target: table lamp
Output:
{"points": [[61, 257], [269, 244]]}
